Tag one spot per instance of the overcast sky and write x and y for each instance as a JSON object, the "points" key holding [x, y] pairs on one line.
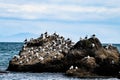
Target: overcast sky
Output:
{"points": [[70, 18]]}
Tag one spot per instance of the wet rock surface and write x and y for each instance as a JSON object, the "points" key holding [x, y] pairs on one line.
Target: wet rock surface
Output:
{"points": [[54, 53]]}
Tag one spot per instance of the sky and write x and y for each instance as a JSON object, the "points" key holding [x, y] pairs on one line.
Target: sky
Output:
{"points": [[70, 18]]}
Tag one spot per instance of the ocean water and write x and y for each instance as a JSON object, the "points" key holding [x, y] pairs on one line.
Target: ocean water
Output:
{"points": [[7, 50]]}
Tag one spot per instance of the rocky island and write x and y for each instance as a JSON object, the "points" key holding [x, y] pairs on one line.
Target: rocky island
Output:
{"points": [[54, 53]]}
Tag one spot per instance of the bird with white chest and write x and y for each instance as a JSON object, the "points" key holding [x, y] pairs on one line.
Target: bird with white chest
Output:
{"points": [[88, 57], [71, 67], [93, 45], [41, 58], [76, 67]]}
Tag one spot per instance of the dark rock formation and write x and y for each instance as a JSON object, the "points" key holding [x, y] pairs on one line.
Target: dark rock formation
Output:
{"points": [[52, 53], [92, 59]]}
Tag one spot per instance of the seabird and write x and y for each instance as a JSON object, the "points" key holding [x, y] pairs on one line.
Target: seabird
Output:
{"points": [[107, 47], [60, 51], [20, 62], [66, 46], [113, 62], [25, 41], [68, 39], [53, 42], [76, 67], [93, 36], [32, 52], [54, 49], [55, 57], [24, 48], [36, 50], [43, 49], [46, 34], [86, 37], [27, 60], [24, 45], [16, 56], [54, 33], [41, 58], [37, 54], [30, 58], [71, 67], [29, 51], [93, 45], [87, 57], [47, 52], [42, 36], [24, 56], [32, 48]]}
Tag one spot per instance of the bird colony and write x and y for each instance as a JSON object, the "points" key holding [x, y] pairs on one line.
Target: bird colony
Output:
{"points": [[43, 49]]}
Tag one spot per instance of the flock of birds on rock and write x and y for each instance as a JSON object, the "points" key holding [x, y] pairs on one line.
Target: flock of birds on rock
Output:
{"points": [[53, 48], [92, 45]]}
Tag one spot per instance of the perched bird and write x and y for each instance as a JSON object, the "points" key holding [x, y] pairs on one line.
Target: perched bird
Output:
{"points": [[16, 56], [71, 67], [55, 57], [46, 34], [107, 47], [29, 51], [30, 58], [60, 51], [37, 54], [87, 57], [20, 62], [25, 41], [47, 52], [86, 37], [76, 67], [24, 49], [93, 45], [27, 60], [32, 48], [113, 62], [32, 52], [93, 36], [24, 56], [41, 58]]}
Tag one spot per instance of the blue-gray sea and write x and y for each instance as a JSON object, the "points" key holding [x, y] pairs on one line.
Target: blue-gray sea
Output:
{"points": [[8, 49]]}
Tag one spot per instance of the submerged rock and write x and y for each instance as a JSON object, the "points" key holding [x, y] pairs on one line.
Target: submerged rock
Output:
{"points": [[54, 53]]}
